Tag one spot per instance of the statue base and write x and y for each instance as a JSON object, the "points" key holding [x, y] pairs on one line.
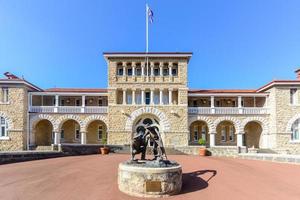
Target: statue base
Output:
{"points": [[150, 178]]}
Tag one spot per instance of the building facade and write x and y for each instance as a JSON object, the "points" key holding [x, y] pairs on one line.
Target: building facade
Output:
{"points": [[150, 88]]}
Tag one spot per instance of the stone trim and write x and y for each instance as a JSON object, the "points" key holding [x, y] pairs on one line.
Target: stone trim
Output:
{"points": [[7, 119], [207, 120], [35, 119], [260, 120], [92, 118], [164, 122], [236, 123], [290, 123], [64, 118]]}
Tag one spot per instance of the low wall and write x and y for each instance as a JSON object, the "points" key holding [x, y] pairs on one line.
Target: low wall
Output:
{"points": [[86, 149], [21, 156], [271, 157]]}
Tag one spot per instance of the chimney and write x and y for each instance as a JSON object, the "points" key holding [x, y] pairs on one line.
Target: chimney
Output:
{"points": [[298, 74]]}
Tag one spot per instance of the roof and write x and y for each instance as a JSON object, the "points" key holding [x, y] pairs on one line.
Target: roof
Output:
{"points": [[12, 79], [198, 91], [80, 90], [278, 82]]}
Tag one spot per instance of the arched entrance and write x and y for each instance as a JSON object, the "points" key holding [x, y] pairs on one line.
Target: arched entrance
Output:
{"points": [[43, 132], [198, 130], [70, 131], [226, 134], [252, 137], [96, 132]]}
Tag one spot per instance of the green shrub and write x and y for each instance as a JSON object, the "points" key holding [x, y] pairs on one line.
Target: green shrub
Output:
{"points": [[201, 141]]}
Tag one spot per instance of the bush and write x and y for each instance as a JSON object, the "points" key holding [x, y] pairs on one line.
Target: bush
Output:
{"points": [[201, 141]]}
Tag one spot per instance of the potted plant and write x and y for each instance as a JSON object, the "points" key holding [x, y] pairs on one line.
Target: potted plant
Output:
{"points": [[202, 150], [104, 150]]}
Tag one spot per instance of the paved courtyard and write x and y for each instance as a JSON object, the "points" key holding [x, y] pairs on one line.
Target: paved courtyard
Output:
{"points": [[95, 177]]}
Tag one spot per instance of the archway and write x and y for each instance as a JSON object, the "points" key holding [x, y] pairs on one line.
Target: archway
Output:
{"points": [[252, 135], [198, 130], [43, 132], [96, 132], [70, 131], [226, 134]]}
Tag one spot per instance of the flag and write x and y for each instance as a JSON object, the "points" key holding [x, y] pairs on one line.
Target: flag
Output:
{"points": [[150, 15]]}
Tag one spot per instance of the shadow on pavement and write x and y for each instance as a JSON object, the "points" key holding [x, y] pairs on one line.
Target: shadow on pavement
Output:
{"points": [[192, 181]]}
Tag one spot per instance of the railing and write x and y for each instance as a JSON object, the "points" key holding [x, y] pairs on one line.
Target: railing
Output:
{"points": [[229, 110], [68, 109]]}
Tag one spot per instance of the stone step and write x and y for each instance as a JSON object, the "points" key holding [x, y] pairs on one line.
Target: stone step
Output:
{"points": [[43, 148], [266, 151]]}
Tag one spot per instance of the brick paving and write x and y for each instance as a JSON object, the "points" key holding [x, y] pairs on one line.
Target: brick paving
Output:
{"points": [[95, 177]]}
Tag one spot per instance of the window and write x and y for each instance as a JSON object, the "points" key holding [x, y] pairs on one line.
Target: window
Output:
{"points": [[156, 71], [138, 98], [195, 103], [100, 132], [5, 95], [156, 98], [77, 133], [62, 134], [78, 102], [196, 134], [223, 134], [165, 71], [231, 133], [100, 102], [295, 136], [120, 71], [293, 96], [129, 98], [203, 132], [174, 72], [147, 95], [3, 127], [62, 102], [129, 71], [138, 71]]}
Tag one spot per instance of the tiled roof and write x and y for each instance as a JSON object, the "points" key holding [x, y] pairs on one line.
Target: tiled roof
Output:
{"points": [[199, 91], [150, 53], [270, 84], [83, 90]]}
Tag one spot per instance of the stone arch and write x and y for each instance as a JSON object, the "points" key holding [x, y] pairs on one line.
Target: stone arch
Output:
{"points": [[260, 120], [290, 123], [207, 120], [164, 122], [35, 119], [64, 118], [92, 118], [7, 119], [236, 123]]}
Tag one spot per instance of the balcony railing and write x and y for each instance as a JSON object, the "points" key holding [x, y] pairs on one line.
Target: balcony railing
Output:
{"points": [[229, 110], [68, 109]]}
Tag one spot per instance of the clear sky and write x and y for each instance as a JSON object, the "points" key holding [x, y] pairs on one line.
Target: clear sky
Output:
{"points": [[236, 44]]}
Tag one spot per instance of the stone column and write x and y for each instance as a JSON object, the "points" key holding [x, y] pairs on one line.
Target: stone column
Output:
{"points": [[56, 103], [124, 70], [212, 104], [56, 138], [152, 70], [83, 137], [124, 96], [161, 70], [240, 141], [133, 96], [212, 139], [83, 104], [151, 96], [142, 96], [133, 69], [161, 96], [143, 70], [240, 105], [170, 70], [170, 96]]}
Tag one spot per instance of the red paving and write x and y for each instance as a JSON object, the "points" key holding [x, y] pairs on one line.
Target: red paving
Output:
{"points": [[95, 177]]}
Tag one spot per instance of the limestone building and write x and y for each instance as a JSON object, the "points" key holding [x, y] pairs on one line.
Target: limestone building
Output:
{"points": [[150, 88]]}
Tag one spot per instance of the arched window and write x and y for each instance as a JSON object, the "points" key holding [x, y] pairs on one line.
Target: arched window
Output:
{"points": [[295, 130], [3, 127]]}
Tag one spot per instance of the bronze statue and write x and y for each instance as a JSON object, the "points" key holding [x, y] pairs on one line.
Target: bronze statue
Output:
{"points": [[145, 135]]}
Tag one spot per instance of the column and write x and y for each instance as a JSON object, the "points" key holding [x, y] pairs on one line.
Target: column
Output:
{"points": [[56, 138], [133, 69], [151, 97], [56, 103], [133, 96], [143, 69], [161, 70], [143, 97], [212, 104], [152, 70], [240, 105], [212, 138], [83, 104], [124, 96], [124, 70], [240, 141], [170, 70], [161, 96], [83, 137], [170, 96]]}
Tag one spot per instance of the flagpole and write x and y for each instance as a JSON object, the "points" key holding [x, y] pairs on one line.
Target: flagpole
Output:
{"points": [[147, 20]]}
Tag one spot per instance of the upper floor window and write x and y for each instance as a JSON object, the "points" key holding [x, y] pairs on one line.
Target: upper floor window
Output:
{"points": [[138, 71], [120, 71], [174, 71], [147, 98], [129, 72], [295, 136], [293, 96], [156, 71], [3, 127], [4, 95], [165, 71]]}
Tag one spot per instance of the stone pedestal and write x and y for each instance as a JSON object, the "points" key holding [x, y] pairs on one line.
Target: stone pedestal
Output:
{"points": [[150, 178]]}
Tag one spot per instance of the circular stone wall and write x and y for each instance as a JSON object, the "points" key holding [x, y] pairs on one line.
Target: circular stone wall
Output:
{"points": [[150, 178]]}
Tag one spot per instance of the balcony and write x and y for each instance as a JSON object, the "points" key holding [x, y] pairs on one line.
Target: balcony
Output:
{"points": [[68, 109], [228, 110]]}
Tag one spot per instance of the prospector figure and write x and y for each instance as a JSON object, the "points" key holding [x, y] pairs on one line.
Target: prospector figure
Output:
{"points": [[148, 134]]}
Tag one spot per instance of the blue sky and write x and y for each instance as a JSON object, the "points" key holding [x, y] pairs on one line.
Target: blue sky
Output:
{"points": [[236, 44]]}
